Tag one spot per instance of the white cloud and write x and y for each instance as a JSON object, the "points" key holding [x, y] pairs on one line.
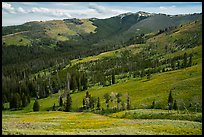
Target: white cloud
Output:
{"points": [[64, 4], [8, 7], [51, 12], [98, 8], [104, 12], [21, 10], [167, 7]]}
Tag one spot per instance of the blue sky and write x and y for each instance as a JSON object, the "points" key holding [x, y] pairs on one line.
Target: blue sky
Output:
{"points": [[15, 13]]}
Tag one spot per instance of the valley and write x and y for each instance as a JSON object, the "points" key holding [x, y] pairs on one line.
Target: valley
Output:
{"points": [[142, 76]]}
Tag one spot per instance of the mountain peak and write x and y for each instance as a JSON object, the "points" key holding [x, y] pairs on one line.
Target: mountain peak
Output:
{"points": [[142, 13]]}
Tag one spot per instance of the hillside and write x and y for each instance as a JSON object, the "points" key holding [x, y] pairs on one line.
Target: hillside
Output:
{"points": [[185, 83], [160, 52], [134, 73]]}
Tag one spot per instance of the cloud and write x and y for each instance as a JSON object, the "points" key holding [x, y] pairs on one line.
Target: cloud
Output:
{"points": [[8, 7], [98, 8], [106, 11], [51, 12], [167, 7], [21, 10]]}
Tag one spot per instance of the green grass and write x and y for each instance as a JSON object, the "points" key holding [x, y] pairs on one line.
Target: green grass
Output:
{"points": [[110, 54], [55, 122], [186, 86], [16, 39], [158, 114]]}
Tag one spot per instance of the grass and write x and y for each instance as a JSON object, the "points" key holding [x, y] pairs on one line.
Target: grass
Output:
{"points": [[186, 86], [55, 122], [110, 54], [16, 39], [158, 114]]}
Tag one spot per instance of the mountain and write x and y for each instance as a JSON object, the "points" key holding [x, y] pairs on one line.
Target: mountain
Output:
{"points": [[82, 30], [38, 58]]}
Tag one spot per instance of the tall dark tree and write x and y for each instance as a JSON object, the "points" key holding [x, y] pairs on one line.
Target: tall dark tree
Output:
{"points": [[185, 60], [24, 100], [175, 107], [84, 103], [170, 101], [98, 104], [113, 78], [68, 103], [36, 106], [84, 82], [60, 101], [178, 64], [15, 101]]}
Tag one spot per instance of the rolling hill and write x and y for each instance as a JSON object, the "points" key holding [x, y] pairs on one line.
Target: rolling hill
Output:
{"points": [[142, 56]]}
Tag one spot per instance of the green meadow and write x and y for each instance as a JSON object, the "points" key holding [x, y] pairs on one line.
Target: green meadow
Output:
{"points": [[61, 123]]}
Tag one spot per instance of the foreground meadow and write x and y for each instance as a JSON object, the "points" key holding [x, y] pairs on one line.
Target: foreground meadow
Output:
{"points": [[56, 122]]}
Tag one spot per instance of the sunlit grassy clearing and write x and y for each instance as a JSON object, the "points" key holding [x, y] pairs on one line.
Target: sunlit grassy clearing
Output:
{"points": [[88, 123]]}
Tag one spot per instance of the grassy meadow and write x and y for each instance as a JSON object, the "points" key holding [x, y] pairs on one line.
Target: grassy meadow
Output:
{"points": [[55, 122]]}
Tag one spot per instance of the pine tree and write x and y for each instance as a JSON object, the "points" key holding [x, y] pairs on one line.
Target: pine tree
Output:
{"points": [[36, 106], [175, 107], [60, 101], [178, 64], [185, 60], [170, 101], [113, 78], [24, 100], [68, 103], [98, 104], [84, 103]]}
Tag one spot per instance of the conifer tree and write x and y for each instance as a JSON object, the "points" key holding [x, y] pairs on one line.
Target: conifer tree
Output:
{"points": [[170, 101], [175, 107], [60, 101], [68, 103], [113, 78], [185, 60], [98, 104], [36, 106]]}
